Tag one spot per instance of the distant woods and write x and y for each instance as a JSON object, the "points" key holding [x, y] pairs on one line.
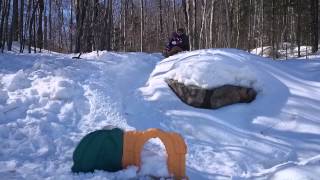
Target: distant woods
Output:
{"points": [[144, 25]]}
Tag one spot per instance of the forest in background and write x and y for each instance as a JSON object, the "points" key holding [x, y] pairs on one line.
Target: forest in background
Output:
{"points": [[145, 25]]}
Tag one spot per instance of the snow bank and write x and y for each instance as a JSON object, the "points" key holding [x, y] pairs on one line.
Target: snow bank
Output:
{"points": [[298, 173], [48, 102]]}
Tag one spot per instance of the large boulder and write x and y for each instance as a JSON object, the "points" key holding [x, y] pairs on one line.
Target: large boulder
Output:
{"points": [[211, 98]]}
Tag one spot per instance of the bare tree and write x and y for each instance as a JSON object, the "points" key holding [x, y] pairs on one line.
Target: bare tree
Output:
{"points": [[80, 17], [142, 24], [228, 23], [211, 28], [204, 8], [21, 26], [315, 25], [298, 26], [32, 25], [39, 31], [194, 25], [6, 23], [174, 15], [3, 17], [13, 36], [110, 24], [100, 25]]}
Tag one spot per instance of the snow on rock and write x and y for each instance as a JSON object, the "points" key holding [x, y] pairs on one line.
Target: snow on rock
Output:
{"points": [[206, 69]]}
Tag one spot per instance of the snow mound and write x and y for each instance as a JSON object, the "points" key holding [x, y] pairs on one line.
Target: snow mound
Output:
{"points": [[3, 96], [298, 173], [16, 81], [207, 69], [57, 88]]}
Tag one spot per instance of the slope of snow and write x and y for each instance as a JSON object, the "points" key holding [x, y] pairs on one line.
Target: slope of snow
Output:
{"points": [[48, 102]]}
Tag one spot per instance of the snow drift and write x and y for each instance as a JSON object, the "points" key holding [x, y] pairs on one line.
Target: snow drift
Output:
{"points": [[48, 102]]}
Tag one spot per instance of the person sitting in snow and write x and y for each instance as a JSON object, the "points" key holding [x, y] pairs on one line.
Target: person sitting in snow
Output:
{"points": [[178, 42], [173, 41]]}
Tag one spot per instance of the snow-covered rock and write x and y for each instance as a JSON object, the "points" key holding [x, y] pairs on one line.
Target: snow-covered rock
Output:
{"points": [[211, 98], [206, 69], [199, 78]]}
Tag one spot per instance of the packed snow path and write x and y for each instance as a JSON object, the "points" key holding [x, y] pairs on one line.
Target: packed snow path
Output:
{"points": [[49, 102]]}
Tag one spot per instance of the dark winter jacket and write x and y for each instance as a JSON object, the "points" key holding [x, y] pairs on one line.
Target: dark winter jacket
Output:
{"points": [[184, 43], [173, 41]]}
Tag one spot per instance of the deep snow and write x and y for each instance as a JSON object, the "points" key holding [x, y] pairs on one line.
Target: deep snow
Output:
{"points": [[48, 102]]}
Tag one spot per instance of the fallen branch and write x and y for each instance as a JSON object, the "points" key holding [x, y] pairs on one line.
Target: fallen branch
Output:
{"points": [[77, 57]]}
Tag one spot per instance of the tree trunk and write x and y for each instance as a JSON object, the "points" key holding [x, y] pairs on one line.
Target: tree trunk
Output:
{"points": [[204, 7], [298, 26], [194, 25], [189, 30], [175, 26], [110, 25], [50, 25], [186, 15], [3, 17], [160, 22], [45, 28], [95, 26], [262, 25], [141, 24], [273, 29], [211, 24], [13, 36], [228, 23], [315, 25], [80, 17], [21, 26], [31, 24], [39, 31], [34, 27], [6, 25], [71, 26], [125, 25]]}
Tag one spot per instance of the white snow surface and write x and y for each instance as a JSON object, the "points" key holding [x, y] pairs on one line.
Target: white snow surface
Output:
{"points": [[49, 101], [207, 69]]}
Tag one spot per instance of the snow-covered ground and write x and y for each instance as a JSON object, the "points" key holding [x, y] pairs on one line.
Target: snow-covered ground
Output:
{"points": [[286, 50], [48, 102]]}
